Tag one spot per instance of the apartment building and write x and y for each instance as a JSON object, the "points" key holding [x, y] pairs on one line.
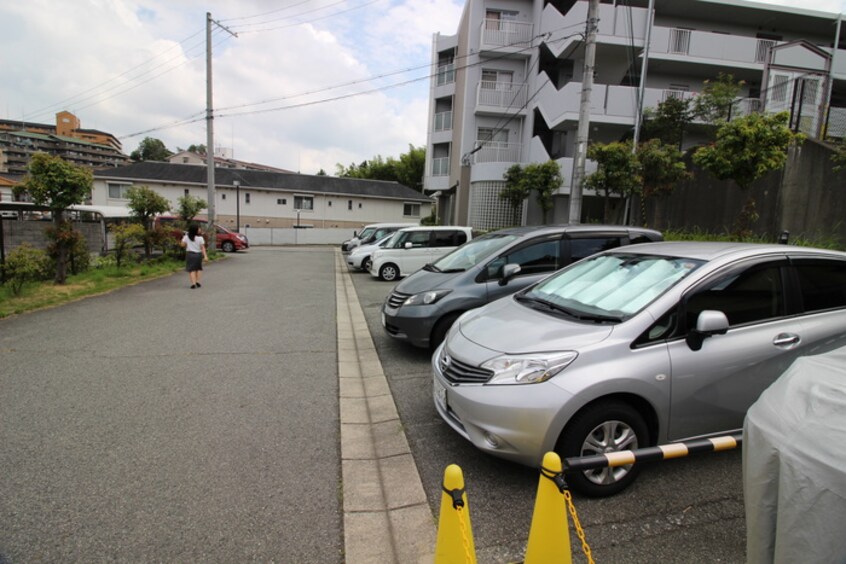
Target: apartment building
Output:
{"points": [[506, 87], [19, 140]]}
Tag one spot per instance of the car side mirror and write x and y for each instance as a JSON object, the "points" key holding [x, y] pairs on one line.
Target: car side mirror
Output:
{"points": [[408, 244], [509, 271], [710, 322]]}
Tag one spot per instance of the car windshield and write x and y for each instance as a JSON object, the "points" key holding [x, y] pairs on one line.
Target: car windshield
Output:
{"points": [[365, 233], [609, 287], [472, 253]]}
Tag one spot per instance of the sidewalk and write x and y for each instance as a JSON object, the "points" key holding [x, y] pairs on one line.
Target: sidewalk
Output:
{"points": [[386, 514]]}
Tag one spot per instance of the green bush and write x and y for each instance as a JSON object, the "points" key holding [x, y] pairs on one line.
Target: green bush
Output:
{"points": [[27, 264], [126, 236]]}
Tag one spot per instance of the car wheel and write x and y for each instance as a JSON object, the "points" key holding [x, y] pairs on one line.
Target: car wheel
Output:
{"points": [[389, 272], [441, 328], [365, 264], [600, 428], [228, 247]]}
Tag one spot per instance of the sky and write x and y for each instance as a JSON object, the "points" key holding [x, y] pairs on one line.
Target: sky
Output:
{"points": [[305, 85]]}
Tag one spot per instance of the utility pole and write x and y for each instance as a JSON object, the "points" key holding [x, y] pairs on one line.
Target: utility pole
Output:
{"points": [[210, 229], [584, 115], [632, 200]]}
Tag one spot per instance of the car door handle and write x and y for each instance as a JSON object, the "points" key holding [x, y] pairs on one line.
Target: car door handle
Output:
{"points": [[785, 339]]}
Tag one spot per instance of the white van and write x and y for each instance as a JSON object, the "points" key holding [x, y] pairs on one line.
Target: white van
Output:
{"points": [[371, 233], [411, 248]]}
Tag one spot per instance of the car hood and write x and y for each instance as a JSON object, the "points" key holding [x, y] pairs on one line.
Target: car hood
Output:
{"points": [[425, 280], [509, 327]]}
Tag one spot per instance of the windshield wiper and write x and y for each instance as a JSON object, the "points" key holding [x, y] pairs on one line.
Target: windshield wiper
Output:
{"points": [[431, 267], [454, 270], [597, 317], [551, 306]]}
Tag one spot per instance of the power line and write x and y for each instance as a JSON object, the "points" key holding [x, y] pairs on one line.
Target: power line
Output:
{"points": [[313, 19], [265, 13]]}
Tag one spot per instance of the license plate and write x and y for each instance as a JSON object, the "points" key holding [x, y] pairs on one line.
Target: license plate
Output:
{"points": [[440, 394]]}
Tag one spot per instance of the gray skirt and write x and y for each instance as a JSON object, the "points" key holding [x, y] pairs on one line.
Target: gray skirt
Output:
{"points": [[194, 262]]}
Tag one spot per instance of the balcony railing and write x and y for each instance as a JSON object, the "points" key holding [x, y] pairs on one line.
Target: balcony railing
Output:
{"points": [[668, 93], [440, 166], [504, 33], [502, 94], [443, 121], [446, 74], [497, 152]]}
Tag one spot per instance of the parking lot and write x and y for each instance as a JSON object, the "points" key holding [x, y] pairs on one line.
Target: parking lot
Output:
{"points": [[686, 510]]}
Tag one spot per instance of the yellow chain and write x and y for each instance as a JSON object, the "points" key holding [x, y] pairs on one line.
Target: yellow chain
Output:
{"points": [[579, 531], [465, 540]]}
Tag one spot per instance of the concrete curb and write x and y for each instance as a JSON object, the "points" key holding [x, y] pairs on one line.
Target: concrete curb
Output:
{"points": [[386, 514]]}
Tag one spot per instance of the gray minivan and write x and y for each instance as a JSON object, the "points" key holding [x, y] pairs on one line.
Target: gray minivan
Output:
{"points": [[421, 308]]}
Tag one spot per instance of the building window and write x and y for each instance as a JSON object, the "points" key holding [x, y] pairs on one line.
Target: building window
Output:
{"points": [[223, 196], [247, 198], [184, 159], [281, 201], [118, 191], [359, 205], [411, 210], [187, 192], [305, 203], [349, 204], [330, 203]]}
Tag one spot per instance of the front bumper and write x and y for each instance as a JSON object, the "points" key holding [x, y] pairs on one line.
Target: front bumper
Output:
{"points": [[412, 324], [508, 421]]}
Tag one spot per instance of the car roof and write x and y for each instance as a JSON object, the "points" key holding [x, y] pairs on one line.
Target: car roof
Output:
{"points": [[575, 228], [435, 228], [710, 250]]}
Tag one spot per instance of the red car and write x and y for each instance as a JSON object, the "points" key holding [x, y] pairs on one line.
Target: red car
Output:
{"points": [[227, 241]]}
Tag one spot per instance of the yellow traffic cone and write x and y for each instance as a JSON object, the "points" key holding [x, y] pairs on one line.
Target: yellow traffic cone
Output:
{"points": [[455, 535], [549, 537]]}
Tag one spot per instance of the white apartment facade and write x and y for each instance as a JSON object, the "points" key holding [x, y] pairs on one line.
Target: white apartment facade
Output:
{"points": [[506, 87]]}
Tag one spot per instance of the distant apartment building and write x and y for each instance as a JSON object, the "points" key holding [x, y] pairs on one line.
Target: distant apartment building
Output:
{"points": [[506, 87], [19, 140], [222, 159]]}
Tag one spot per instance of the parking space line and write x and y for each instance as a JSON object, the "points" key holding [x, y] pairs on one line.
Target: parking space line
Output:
{"points": [[386, 514]]}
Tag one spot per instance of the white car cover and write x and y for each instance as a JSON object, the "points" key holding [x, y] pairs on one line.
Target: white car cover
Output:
{"points": [[794, 465]]}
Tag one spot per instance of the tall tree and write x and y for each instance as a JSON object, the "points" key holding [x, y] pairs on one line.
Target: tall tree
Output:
{"points": [[57, 184], [617, 172], [745, 150], [541, 178], [188, 206], [145, 205], [661, 169], [668, 121], [407, 170], [150, 149], [714, 104]]}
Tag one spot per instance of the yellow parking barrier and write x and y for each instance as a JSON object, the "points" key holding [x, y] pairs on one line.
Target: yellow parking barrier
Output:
{"points": [[455, 534], [549, 538]]}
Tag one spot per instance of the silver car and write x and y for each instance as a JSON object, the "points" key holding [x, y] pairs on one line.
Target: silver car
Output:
{"points": [[634, 347]]}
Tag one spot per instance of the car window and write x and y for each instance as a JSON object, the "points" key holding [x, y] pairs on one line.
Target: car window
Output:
{"points": [[748, 296], [474, 252], [535, 258], [822, 284], [417, 239], [448, 238], [584, 247]]}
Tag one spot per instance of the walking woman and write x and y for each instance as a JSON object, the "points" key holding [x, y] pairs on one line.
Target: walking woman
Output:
{"points": [[196, 247]]}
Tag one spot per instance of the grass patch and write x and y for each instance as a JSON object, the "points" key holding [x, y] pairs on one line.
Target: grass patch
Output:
{"points": [[820, 242], [38, 295]]}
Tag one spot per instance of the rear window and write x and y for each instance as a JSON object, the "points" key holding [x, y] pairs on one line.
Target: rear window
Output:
{"points": [[448, 238]]}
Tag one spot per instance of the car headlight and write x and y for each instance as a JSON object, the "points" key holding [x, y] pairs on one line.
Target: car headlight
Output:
{"points": [[528, 369], [426, 298]]}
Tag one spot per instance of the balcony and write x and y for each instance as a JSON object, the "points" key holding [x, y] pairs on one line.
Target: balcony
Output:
{"points": [[720, 48], [502, 95], [497, 152], [504, 33]]}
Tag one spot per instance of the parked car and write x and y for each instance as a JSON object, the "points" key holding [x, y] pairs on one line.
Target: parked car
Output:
{"points": [[634, 347], [225, 240], [413, 247], [371, 234], [422, 307], [359, 258]]}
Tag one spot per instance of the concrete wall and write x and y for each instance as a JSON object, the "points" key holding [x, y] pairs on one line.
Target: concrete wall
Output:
{"points": [[807, 198], [270, 236], [15, 233]]}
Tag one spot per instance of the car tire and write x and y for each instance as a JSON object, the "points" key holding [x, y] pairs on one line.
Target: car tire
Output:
{"points": [[228, 247], [600, 428], [365, 264], [388, 272], [440, 329]]}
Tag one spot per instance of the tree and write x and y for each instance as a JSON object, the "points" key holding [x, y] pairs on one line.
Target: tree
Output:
{"points": [[617, 173], [126, 235], [407, 170], [150, 149], [541, 178], [668, 121], [199, 149], [188, 206], [57, 184], [321, 172], [713, 105], [145, 205], [745, 150], [661, 169]]}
